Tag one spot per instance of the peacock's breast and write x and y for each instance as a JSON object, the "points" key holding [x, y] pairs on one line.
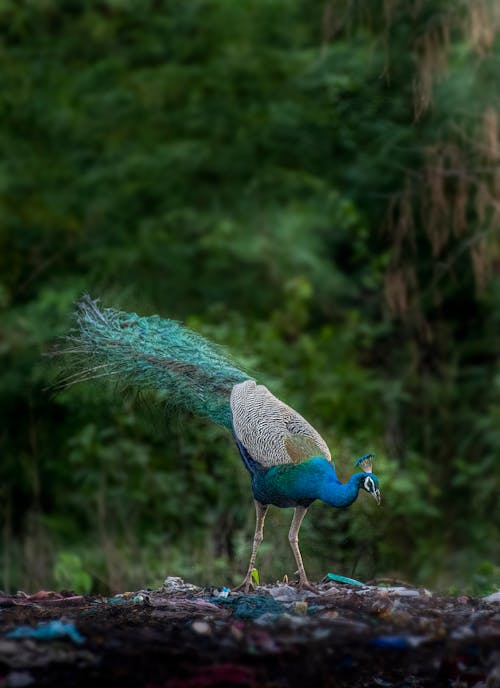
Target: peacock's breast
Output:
{"points": [[282, 486]]}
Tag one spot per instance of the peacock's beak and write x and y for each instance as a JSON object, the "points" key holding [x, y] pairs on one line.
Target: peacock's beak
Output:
{"points": [[376, 496]]}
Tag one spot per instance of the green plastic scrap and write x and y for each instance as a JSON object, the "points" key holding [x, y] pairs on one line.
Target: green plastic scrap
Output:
{"points": [[255, 577], [125, 599], [118, 599], [343, 579]]}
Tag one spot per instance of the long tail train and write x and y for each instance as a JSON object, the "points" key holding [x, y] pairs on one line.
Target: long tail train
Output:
{"points": [[191, 372]]}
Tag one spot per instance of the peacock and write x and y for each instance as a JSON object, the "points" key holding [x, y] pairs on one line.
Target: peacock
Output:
{"points": [[288, 461]]}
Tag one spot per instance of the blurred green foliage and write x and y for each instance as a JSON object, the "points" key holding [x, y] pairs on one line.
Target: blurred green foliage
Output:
{"points": [[315, 187]]}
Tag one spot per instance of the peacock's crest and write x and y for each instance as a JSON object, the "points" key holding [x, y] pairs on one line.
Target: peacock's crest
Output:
{"points": [[365, 463]]}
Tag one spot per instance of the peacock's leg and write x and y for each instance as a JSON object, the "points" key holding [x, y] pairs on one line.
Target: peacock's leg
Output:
{"points": [[293, 537], [260, 516]]}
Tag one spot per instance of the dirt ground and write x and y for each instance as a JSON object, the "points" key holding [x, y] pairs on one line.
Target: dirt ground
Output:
{"points": [[275, 637]]}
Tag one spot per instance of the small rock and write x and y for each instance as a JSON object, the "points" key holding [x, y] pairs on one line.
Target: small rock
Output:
{"points": [[321, 633], [236, 632], [343, 626], [494, 598], [383, 606], [268, 619], [493, 678], [300, 607], [201, 627], [18, 679], [462, 632], [260, 639]]}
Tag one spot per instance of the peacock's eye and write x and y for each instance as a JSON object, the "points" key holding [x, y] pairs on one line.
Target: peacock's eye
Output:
{"points": [[369, 485]]}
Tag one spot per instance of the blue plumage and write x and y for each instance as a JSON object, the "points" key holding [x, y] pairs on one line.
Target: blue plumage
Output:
{"points": [[288, 460], [300, 485]]}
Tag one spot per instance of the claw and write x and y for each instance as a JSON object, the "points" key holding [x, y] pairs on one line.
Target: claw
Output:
{"points": [[305, 585], [245, 587]]}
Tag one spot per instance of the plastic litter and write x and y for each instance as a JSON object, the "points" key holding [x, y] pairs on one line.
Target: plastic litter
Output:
{"points": [[342, 579], [51, 630], [173, 584], [321, 633], [117, 599], [494, 598], [260, 640], [18, 679], [224, 592], [402, 591], [7, 602], [463, 632], [397, 642], [287, 593], [42, 597], [126, 598], [250, 606]]}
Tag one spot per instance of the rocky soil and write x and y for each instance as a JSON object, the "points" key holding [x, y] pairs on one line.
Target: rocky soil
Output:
{"points": [[181, 636]]}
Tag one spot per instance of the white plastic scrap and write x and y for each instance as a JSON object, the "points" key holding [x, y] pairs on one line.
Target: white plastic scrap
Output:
{"points": [[173, 584], [285, 593], [402, 591]]}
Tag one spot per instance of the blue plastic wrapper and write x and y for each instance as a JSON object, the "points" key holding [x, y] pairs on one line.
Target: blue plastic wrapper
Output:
{"points": [[51, 630], [397, 642]]}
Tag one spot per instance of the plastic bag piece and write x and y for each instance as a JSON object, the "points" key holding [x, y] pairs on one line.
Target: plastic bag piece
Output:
{"points": [[174, 584], [397, 642], [117, 599], [343, 579], [51, 630], [250, 607]]}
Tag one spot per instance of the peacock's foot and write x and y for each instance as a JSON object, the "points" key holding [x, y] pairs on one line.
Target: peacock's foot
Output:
{"points": [[245, 587], [304, 584]]}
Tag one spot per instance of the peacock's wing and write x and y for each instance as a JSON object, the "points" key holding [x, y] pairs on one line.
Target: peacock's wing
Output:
{"points": [[301, 447], [272, 432]]}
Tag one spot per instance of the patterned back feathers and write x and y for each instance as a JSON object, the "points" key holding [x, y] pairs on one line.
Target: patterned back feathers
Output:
{"points": [[272, 432]]}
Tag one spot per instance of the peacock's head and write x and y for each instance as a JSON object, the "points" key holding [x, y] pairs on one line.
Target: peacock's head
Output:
{"points": [[368, 482]]}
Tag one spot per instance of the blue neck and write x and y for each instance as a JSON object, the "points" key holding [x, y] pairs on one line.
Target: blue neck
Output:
{"points": [[300, 484], [341, 494]]}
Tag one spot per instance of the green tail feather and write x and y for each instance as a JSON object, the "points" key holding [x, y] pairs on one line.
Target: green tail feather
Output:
{"points": [[190, 372]]}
